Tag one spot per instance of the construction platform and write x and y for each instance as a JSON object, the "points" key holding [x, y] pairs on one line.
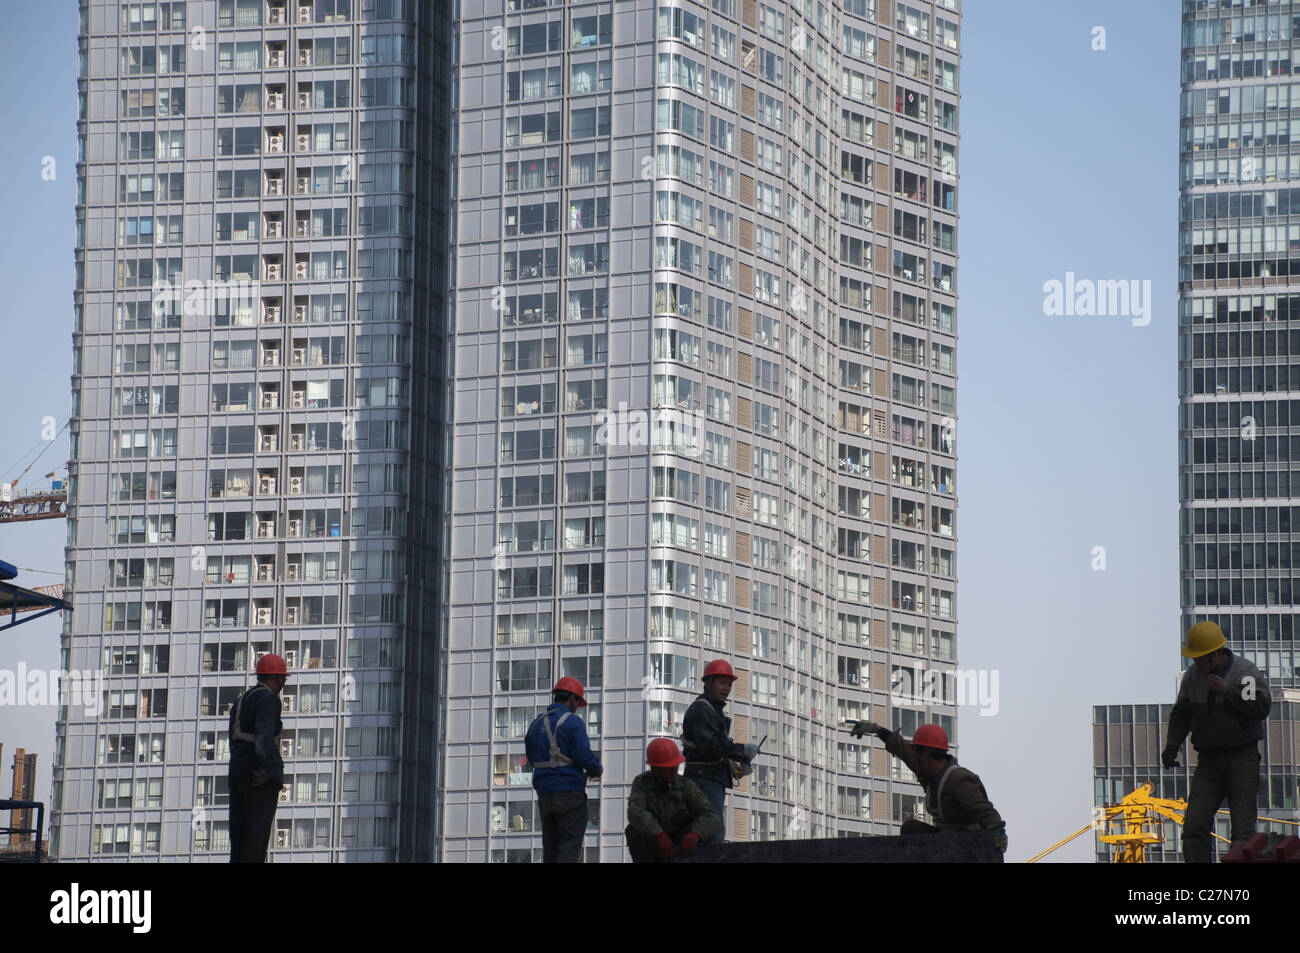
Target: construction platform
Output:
{"points": [[943, 848]]}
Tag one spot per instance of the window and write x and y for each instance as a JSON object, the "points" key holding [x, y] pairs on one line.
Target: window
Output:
{"points": [[721, 134], [594, 121], [677, 70], [912, 21], [681, 25], [722, 43], [722, 89]]}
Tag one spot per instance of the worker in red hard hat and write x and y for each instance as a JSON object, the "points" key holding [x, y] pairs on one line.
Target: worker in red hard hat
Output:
{"points": [[713, 760], [665, 811], [954, 796], [256, 771], [562, 761]]}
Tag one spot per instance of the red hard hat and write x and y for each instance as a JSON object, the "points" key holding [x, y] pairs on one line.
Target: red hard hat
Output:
{"points": [[572, 686], [271, 664], [663, 753], [931, 736], [719, 667]]}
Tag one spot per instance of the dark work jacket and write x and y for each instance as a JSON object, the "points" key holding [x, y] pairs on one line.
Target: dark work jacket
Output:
{"points": [[260, 715], [706, 741], [1220, 721], [962, 805]]}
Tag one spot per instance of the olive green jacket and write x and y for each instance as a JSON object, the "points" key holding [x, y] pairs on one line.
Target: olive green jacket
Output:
{"points": [[678, 809], [962, 804]]}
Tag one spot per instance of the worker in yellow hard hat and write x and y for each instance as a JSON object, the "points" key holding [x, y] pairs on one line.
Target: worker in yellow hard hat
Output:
{"points": [[1223, 700]]}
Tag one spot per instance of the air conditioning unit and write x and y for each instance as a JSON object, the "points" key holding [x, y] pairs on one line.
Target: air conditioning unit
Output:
{"points": [[304, 100], [304, 57], [291, 615], [299, 355], [273, 228], [263, 617], [304, 142], [268, 401], [266, 484], [276, 16], [300, 312], [304, 14], [275, 100], [270, 358], [303, 184], [295, 527], [286, 747], [275, 60], [264, 572], [268, 442], [294, 570], [274, 186], [273, 271], [295, 484], [290, 702], [297, 400], [284, 798], [291, 658], [282, 838], [272, 314], [300, 270], [295, 441], [301, 228], [264, 530], [275, 143]]}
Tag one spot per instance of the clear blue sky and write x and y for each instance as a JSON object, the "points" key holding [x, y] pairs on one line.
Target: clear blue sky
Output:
{"points": [[1067, 425]]}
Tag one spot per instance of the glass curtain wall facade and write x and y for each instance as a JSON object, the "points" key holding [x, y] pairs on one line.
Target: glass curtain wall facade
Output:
{"points": [[259, 310], [1237, 236], [704, 300]]}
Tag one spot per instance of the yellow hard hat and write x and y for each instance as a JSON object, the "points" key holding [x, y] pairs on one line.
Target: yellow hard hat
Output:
{"points": [[1202, 639]]}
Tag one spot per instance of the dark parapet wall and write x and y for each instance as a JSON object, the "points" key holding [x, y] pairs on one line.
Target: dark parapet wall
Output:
{"points": [[946, 848]]}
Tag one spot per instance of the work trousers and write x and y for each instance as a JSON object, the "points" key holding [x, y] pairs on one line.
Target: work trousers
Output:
{"points": [[1221, 772], [564, 821], [252, 814], [717, 798]]}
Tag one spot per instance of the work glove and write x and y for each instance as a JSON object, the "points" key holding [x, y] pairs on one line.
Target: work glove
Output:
{"points": [[1000, 838], [751, 751], [1169, 758], [665, 846], [595, 772], [862, 728]]}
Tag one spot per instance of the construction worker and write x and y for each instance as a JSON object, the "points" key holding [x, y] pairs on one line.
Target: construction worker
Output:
{"points": [[666, 811], [954, 796], [562, 760], [713, 760], [256, 771], [1224, 700]]}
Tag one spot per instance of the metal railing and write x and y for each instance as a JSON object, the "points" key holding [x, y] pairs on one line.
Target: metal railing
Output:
{"points": [[38, 830]]}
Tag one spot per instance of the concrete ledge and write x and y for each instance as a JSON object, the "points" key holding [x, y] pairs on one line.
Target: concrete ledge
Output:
{"points": [[943, 848]]}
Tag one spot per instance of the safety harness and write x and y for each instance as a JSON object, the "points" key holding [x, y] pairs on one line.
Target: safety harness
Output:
{"points": [[558, 759], [937, 807]]}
